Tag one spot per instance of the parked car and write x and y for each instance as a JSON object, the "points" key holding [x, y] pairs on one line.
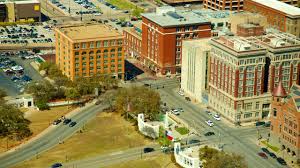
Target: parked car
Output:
{"points": [[148, 150], [56, 165], [209, 134], [72, 124], [67, 121], [209, 123], [263, 155], [56, 122], [217, 117], [281, 161], [208, 112], [265, 150], [180, 109], [272, 155], [180, 93], [98, 102], [267, 124]]}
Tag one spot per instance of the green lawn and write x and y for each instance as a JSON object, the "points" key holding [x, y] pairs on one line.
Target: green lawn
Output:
{"points": [[274, 148], [182, 130], [126, 5]]}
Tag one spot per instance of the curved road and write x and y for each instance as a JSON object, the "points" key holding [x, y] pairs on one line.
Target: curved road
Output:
{"points": [[51, 138]]}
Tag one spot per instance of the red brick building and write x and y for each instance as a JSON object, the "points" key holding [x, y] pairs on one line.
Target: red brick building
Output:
{"points": [[133, 41], [236, 5], [279, 15], [285, 122], [162, 35], [249, 29]]}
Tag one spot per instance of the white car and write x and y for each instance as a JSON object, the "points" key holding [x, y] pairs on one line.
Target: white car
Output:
{"points": [[217, 117], [209, 123], [180, 92], [175, 111]]}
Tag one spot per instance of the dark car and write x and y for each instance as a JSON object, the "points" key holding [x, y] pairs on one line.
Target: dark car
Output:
{"points": [[209, 134], [67, 121], [281, 161], [265, 150], [56, 122], [259, 123], [146, 84], [148, 150], [72, 124], [55, 165], [267, 124], [194, 141], [187, 98], [98, 102], [272, 155], [263, 155]]}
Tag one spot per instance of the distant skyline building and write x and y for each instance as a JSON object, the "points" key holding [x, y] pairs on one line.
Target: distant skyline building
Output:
{"points": [[279, 15], [285, 121], [162, 35], [88, 50]]}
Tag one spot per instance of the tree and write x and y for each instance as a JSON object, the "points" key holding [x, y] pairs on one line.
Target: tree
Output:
{"points": [[72, 93], [216, 159], [141, 100], [137, 12], [13, 123]]}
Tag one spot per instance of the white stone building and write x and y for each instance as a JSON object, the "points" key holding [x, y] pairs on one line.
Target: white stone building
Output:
{"points": [[194, 72]]}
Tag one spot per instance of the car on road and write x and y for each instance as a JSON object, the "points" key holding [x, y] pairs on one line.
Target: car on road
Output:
{"points": [[175, 111], [267, 124], [265, 150], [193, 141], [208, 112], [217, 117], [209, 123], [272, 155], [180, 93], [67, 121], [56, 165], [180, 109], [263, 155], [259, 123], [187, 99], [281, 161], [98, 102], [72, 124], [148, 150], [209, 134], [56, 122]]}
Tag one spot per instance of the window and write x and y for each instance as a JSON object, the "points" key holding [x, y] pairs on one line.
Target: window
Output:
{"points": [[120, 49], [119, 54], [120, 42], [274, 112], [105, 43], [247, 115], [76, 46], [91, 44], [112, 50], [76, 53], [91, 58], [98, 44], [257, 105], [83, 45]]}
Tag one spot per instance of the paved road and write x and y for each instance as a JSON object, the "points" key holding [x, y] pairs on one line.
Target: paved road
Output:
{"points": [[51, 138], [240, 140], [112, 158]]}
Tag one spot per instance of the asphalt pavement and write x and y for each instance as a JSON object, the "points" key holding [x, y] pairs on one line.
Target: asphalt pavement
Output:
{"points": [[50, 139]]}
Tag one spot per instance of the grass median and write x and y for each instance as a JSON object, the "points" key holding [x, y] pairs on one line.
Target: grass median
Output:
{"points": [[106, 133], [40, 120]]}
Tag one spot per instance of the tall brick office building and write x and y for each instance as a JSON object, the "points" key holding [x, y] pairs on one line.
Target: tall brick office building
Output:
{"points": [[162, 35], [285, 122], [236, 5]]}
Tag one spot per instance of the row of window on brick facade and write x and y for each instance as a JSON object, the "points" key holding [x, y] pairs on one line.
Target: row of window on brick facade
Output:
{"points": [[98, 44]]}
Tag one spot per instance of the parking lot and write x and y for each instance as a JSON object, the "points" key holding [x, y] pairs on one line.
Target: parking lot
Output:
{"points": [[24, 35], [16, 71]]}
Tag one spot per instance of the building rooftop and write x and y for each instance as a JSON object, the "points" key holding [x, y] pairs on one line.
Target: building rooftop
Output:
{"points": [[169, 17], [211, 14], [203, 43], [295, 94], [237, 44], [20, 1], [277, 40], [280, 6], [89, 32], [248, 25]]}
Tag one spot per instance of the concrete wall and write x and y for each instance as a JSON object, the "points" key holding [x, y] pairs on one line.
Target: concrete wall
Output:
{"points": [[183, 159], [143, 126]]}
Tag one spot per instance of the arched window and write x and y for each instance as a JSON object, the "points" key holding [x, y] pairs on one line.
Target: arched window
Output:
{"points": [[105, 50], [98, 51], [112, 50], [83, 53], [91, 53]]}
